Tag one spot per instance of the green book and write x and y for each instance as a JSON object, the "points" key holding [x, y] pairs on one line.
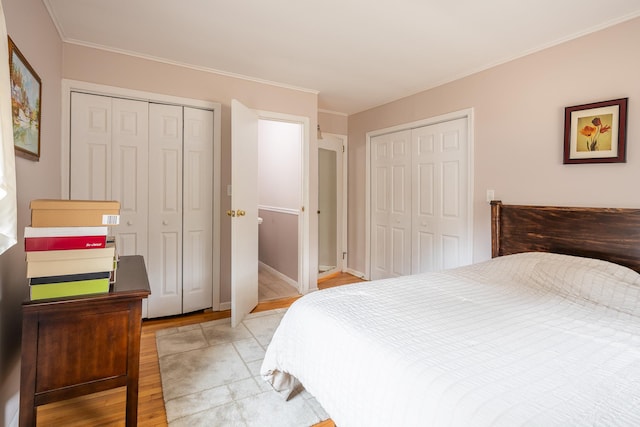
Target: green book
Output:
{"points": [[68, 289]]}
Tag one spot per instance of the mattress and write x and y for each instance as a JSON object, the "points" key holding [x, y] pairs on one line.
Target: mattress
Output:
{"points": [[532, 339]]}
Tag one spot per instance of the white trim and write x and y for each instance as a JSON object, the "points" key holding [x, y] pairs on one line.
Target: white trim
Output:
{"points": [[337, 113], [287, 211], [356, 273], [280, 275], [304, 274], [69, 86], [189, 66], [225, 306], [467, 114]]}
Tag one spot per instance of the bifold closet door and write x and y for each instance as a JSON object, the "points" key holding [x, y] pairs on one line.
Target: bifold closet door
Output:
{"points": [[419, 200], [157, 160], [197, 260], [164, 265], [439, 196], [391, 205], [108, 159]]}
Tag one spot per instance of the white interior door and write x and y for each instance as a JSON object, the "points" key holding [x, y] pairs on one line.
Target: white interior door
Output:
{"points": [[440, 188], [109, 144], [165, 207], [197, 247], [330, 205], [244, 211], [90, 150], [419, 201], [130, 174], [391, 205]]}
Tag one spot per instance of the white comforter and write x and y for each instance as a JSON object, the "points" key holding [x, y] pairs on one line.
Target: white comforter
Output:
{"points": [[530, 339]]}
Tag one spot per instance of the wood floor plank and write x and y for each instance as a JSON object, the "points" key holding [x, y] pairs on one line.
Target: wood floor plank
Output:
{"points": [[107, 408]]}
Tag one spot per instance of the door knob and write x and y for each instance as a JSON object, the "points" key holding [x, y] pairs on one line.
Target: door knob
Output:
{"points": [[241, 212], [231, 213], [165, 222]]}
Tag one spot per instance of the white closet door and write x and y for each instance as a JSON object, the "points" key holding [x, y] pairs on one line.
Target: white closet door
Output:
{"points": [[391, 205], [130, 168], [90, 156], [439, 196], [197, 262], [109, 162], [165, 210]]}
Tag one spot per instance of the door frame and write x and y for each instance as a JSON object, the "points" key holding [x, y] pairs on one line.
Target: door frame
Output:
{"points": [[467, 114], [69, 86], [342, 212], [304, 275]]}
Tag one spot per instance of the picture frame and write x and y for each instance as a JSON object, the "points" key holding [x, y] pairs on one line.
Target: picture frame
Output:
{"points": [[596, 132], [26, 101]]}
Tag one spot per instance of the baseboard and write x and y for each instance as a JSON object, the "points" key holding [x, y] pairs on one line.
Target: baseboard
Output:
{"points": [[355, 273], [227, 305], [281, 276]]}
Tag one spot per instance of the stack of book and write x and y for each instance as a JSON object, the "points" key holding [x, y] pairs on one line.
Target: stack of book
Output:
{"points": [[68, 250]]}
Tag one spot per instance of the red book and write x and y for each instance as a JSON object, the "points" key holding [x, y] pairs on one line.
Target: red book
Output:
{"points": [[61, 238], [64, 243]]}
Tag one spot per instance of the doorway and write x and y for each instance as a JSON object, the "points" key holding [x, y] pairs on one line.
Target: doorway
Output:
{"points": [[331, 204], [245, 203], [280, 146]]}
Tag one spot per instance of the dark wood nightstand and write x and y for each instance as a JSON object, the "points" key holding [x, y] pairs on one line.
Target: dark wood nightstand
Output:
{"points": [[76, 346]]}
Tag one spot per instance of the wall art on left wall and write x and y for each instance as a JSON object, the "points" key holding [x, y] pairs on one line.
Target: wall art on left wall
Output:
{"points": [[26, 101]]}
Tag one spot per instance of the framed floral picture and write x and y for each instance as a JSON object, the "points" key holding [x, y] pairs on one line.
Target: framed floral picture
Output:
{"points": [[596, 132], [26, 94]]}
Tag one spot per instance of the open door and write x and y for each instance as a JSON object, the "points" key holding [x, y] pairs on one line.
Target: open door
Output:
{"points": [[331, 203], [244, 211]]}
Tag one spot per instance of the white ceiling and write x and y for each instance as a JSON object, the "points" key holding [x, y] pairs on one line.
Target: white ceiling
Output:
{"points": [[356, 54]]}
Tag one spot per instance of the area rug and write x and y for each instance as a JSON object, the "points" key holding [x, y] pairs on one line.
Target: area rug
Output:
{"points": [[211, 376]]}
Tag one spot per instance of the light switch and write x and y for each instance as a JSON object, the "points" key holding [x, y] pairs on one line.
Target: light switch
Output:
{"points": [[490, 195]]}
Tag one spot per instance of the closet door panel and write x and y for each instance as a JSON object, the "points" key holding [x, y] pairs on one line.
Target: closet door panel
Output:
{"points": [[197, 278], [90, 156], [165, 210], [391, 203], [130, 146], [439, 196], [426, 198], [454, 189]]}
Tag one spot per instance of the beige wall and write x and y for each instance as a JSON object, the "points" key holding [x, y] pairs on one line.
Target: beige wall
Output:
{"points": [[30, 27], [519, 122], [333, 122], [107, 68]]}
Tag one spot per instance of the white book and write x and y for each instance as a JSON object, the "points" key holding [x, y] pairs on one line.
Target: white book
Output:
{"points": [[64, 231]]}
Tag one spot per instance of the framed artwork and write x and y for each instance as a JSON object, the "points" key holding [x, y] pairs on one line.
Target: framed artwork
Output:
{"points": [[26, 95], [596, 132]]}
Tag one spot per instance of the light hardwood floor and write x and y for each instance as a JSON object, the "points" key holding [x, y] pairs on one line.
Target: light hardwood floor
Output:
{"points": [[271, 286], [107, 408]]}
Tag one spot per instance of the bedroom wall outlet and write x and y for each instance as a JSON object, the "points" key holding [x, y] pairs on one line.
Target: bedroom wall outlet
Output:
{"points": [[491, 195]]}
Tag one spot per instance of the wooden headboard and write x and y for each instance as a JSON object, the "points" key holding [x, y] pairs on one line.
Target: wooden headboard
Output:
{"points": [[611, 234]]}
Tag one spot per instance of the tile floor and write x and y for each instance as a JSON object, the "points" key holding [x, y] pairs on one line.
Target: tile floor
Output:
{"points": [[211, 376]]}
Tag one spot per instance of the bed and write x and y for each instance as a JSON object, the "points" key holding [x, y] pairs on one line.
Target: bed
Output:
{"points": [[546, 333]]}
